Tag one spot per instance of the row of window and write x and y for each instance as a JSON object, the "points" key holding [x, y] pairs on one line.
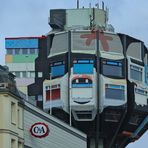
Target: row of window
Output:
{"points": [[113, 69], [14, 144], [19, 51], [27, 74], [87, 67], [108, 68], [24, 74]]}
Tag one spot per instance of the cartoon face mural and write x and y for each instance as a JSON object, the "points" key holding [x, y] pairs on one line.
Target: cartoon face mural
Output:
{"points": [[82, 89]]}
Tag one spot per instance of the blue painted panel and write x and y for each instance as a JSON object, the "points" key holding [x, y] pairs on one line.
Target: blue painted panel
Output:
{"points": [[115, 86], [21, 43], [85, 61], [112, 63], [81, 85], [83, 69], [58, 70]]}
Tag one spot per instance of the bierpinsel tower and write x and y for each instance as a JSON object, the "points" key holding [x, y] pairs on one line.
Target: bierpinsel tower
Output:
{"points": [[93, 78]]}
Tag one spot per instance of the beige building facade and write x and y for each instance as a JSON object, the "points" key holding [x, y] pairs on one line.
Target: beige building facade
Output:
{"points": [[11, 121], [18, 117]]}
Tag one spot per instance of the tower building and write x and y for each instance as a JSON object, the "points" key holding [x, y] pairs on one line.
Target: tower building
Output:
{"points": [[92, 77]]}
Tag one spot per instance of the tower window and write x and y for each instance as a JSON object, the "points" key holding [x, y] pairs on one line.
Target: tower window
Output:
{"points": [[83, 66], [136, 73]]}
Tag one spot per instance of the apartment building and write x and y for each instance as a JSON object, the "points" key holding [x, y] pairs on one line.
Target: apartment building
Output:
{"points": [[11, 125], [21, 53]]}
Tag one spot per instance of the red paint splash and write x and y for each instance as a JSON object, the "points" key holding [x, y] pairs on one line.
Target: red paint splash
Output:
{"points": [[103, 39]]}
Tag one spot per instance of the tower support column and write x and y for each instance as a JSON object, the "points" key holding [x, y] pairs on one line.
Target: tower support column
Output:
{"points": [[92, 143]]}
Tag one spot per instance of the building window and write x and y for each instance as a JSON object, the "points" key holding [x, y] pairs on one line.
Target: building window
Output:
{"points": [[17, 51], [10, 51], [25, 146], [136, 73], [24, 74], [57, 69], [13, 113], [32, 51], [116, 92], [20, 144], [112, 68], [40, 74], [13, 143], [32, 74], [40, 98], [55, 94], [36, 51], [17, 74], [20, 118], [83, 66], [141, 91], [24, 51]]}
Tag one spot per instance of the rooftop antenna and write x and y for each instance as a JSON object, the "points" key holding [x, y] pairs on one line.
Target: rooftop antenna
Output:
{"points": [[89, 5], [107, 13], [90, 15], [90, 9], [77, 4], [102, 5], [97, 5]]}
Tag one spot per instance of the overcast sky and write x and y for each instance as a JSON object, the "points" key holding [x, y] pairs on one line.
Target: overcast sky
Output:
{"points": [[30, 18]]}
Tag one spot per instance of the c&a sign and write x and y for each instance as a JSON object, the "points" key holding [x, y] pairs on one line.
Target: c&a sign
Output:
{"points": [[39, 130]]}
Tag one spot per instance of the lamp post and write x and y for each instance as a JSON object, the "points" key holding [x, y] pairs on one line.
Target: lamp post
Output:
{"points": [[26, 69], [50, 95]]}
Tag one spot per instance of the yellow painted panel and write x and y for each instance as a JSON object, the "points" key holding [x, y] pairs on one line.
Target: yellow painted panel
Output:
{"points": [[8, 58]]}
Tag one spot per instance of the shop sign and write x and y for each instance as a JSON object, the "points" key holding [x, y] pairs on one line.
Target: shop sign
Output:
{"points": [[39, 130]]}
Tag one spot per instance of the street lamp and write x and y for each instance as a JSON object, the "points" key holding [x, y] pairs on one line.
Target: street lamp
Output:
{"points": [[50, 95], [26, 69]]}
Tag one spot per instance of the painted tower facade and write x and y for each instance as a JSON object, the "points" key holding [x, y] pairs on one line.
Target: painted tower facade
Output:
{"points": [[93, 78]]}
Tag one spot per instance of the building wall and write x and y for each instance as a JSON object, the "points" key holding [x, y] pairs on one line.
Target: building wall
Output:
{"points": [[73, 21], [60, 135], [20, 58], [14, 67], [17, 117], [11, 124]]}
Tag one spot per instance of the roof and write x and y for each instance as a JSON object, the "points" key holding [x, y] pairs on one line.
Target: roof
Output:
{"points": [[35, 37]]}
